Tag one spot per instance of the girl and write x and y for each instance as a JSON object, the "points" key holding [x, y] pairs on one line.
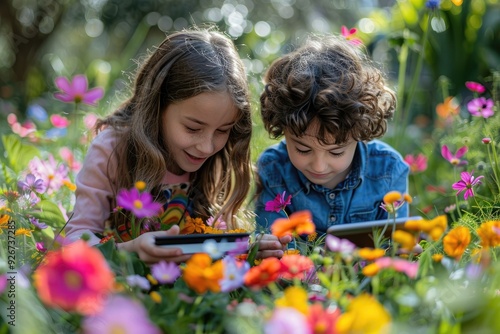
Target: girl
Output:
{"points": [[330, 102], [185, 133]]}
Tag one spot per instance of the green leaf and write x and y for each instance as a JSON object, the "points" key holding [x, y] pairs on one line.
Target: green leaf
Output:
{"points": [[48, 212], [18, 154]]}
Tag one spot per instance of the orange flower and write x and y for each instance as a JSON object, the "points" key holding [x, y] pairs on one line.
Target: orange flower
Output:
{"points": [[193, 225], [296, 266], [74, 278], [434, 227], [265, 273], [437, 257], [371, 254], [448, 108], [201, 275], [456, 241], [371, 270], [405, 239], [488, 232], [393, 196], [321, 320], [298, 223]]}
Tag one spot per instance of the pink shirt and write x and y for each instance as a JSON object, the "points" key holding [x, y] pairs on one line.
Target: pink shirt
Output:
{"points": [[94, 192]]}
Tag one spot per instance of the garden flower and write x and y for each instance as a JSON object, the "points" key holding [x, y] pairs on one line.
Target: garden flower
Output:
{"points": [[371, 269], [296, 266], [488, 233], [322, 321], [59, 121], [264, 273], [486, 140], [296, 297], [454, 159], [220, 224], [120, 315], [37, 112], [350, 35], [432, 4], [141, 204], [418, 163], [31, 183], [165, 272], [475, 87], [138, 281], [193, 225], [287, 320], [406, 267], [68, 156], [76, 91], [74, 278], [3, 283], [23, 130], [394, 200], [50, 171], [405, 239], [298, 223], [234, 274], [278, 203], [201, 275], [456, 241], [371, 254], [364, 315], [481, 107], [337, 245], [466, 183], [448, 108], [437, 257]]}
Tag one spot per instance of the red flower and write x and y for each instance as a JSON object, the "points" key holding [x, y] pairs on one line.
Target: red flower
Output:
{"points": [[265, 273]]}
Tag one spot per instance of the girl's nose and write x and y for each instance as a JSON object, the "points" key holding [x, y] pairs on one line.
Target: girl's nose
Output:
{"points": [[206, 145]]}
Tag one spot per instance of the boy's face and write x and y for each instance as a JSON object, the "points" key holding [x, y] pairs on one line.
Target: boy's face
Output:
{"points": [[326, 165], [197, 128]]}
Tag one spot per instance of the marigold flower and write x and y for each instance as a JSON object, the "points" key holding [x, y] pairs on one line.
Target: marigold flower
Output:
{"points": [[488, 235], [371, 254], [194, 226], [299, 222], [296, 266], [295, 297], [371, 269], [264, 273], [437, 257], [405, 239], [74, 278], [456, 241], [364, 315], [201, 275]]}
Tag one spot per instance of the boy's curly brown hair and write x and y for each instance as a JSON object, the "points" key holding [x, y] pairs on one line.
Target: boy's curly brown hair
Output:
{"points": [[331, 81]]}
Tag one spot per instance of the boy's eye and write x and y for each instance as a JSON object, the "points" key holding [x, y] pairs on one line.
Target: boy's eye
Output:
{"points": [[302, 151], [337, 154]]}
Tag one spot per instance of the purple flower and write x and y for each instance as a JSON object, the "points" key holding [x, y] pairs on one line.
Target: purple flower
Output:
{"points": [[287, 320], [234, 274], [165, 272], [466, 183], [337, 245], [139, 281], [241, 247], [432, 4], [50, 171], [31, 183], [279, 203], [454, 159], [120, 315], [37, 223], [481, 107], [141, 204], [76, 91]]}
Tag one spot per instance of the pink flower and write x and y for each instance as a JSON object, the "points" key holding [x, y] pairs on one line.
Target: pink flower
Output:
{"points": [[50, 171], [76, 91], [486, 140], [287, 320], [418, 163], [466, 183], [220, 224], [23, 130], [278, 203], [454, 158], [141, 204], [349, 34], [481, 107], [120, 315], [69, 158], [403, 266], [59, 121], [475, 87], [165, 272], [338, 245]]}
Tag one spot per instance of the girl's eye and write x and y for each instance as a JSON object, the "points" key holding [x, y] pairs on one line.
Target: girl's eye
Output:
{"points": [[302, 151], [337, 154], [191, 129], [224, 131]]}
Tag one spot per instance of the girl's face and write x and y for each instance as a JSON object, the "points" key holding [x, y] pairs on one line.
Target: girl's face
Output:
{"points": [[197, 128], [326, 165]]}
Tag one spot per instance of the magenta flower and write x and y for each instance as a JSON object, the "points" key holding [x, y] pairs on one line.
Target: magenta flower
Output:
{"points": [[120, 315], [31, 183], [475, 87], [76, 91], [141, 204], [59, 121], [278, 203], [418, 163], [454, 159], [486, 140], [481, 107], [234, 274], [350, 35], [165, 272], [466, 183]]}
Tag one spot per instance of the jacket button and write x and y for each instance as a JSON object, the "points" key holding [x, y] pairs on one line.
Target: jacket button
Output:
{"points": [[332, 195], [333, 218]]}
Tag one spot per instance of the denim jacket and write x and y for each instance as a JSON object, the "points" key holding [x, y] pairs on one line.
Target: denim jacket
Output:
{"points": [[376, 169]]}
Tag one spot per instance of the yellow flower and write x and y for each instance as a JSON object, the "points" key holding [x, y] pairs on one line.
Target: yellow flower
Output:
{"points": [[392, 196], [140, 185], [23, 231], [456, 241], [296, 297], [371, 270], [152, 280], [437, 257], [405, 239], [155, 296], [371, 254], [311, 237], [488, 232], [291, 251], [71, 186], [364, 315]]}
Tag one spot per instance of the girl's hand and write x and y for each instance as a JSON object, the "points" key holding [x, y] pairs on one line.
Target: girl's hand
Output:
{"points": [[145, 247], [271, 246]]}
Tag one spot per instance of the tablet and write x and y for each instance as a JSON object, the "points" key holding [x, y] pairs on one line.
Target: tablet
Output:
{"points": [[361, 233], [197, 243]]}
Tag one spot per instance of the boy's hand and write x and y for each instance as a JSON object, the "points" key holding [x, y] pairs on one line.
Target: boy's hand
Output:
{"points": [[271, 246]]}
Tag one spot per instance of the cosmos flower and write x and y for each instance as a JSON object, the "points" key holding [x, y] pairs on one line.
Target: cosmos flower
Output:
{"points": [[234, 274], [350, 35], [141, 204], [481, 107], [467, 182], [165, 272], [76, 91], [418, 163], [278, 203], [475, 87], [31, 183], [454, 159]]}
